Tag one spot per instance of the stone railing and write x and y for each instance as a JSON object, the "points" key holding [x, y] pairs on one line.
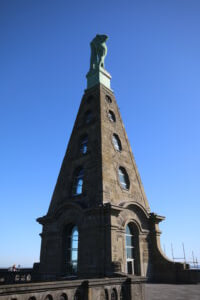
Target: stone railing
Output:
{"points": [[18, 276], [92, 289]]}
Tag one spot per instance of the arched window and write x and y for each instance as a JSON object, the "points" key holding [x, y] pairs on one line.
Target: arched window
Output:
{"points": [[63, 297], [106, 294], [77, 296], [84, 144], [72, 250], [78, 182], [28, 277], [114, 294], [132, 250], [111, 116], [88, 116], [48, 297], [123, 178], [123, 294], [116, 142], [108, 99]]}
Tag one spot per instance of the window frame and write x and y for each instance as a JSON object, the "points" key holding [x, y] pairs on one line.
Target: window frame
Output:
{"points": [[72, 235], [83, 145], [111, 116], [78, 181], [123, 178], [108, 99], [116, 142], [134, 260]]}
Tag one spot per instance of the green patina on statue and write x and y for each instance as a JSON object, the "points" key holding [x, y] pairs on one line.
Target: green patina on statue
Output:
{"points": [[98, 51], [97, 73]]}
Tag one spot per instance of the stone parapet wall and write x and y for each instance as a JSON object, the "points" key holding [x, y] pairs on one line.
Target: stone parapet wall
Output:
{"points": [[127, 288], [188, 276], [18, 276]]}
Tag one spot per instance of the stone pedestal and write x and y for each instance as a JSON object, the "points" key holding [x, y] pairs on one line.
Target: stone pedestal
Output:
{"points": [[95, 77]]}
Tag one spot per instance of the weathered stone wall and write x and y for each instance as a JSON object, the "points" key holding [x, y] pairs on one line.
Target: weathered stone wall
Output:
{"points": [[90, 161], [104, 208], [93, 289], [94, 255], [113, 159]]}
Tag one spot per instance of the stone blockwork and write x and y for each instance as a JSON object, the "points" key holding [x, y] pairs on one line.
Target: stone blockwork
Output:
{"points": [[113, 159], [101, 161], [99, 223], [105, 205], [93, 289]]}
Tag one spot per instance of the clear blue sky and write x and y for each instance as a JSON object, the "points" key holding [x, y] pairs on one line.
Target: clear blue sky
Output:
{"points": [[154, 59]]}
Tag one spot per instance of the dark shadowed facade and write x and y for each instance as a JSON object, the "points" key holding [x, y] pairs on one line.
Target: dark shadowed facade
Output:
{"points": [[99, 237]]}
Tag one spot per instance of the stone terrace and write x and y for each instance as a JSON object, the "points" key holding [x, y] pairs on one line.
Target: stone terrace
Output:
{"points": [[172, 291]]}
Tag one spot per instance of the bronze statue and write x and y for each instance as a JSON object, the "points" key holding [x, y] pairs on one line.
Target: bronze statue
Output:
{"points": [[98, 51]]}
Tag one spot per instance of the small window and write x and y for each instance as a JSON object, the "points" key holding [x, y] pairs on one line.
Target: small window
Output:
{"points": [[123, 178], [116, 142], [78, 182], [106, 295], [108, 99], [84, 144], [88, 117], [111, 116]]}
